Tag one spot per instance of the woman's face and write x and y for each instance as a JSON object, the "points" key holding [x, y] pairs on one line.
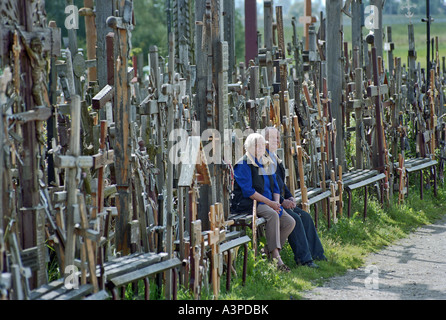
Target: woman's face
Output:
{"points": [[260, 148]]}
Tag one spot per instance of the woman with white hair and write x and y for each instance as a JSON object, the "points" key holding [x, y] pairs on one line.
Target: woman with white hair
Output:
{"points": [[254, 180]]}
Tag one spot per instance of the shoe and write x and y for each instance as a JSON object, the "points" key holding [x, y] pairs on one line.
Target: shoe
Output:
{"points": [[284, 268], [311, 264]]}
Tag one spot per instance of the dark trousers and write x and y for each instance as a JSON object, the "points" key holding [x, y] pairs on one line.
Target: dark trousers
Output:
{"points": [[304, 240]]}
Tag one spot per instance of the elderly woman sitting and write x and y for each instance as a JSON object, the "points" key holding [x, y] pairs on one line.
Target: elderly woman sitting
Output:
{"points": [[254, 180]]}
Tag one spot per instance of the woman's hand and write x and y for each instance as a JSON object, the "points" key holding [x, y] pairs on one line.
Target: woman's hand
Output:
{"points": [[274, 205]]}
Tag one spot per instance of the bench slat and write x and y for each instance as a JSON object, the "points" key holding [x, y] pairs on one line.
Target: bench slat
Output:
{"points": [[421, 166], [366, 182], [36, 294], [76, 294], [101, 295], [145, 272], [234, 243], [320, 197]]}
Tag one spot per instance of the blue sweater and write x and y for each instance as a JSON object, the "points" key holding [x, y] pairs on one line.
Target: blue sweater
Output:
{"points": [[242, 174]]}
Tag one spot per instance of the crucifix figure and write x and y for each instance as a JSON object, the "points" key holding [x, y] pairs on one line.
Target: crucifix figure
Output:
{"points": [[38, 64]]}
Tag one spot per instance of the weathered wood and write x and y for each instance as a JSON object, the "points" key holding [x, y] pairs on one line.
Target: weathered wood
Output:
{"points": [[378, 114], [251, 40], [307, 20], [31, 68], [145, 272], [70, 162], [366, 182], [102, 12], [122, 25], [90, 28], [334, 71], [104, 96], [90, 247], [72, 182]]}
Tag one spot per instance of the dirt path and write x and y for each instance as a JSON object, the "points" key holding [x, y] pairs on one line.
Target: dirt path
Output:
{"points": [[413, 268]]}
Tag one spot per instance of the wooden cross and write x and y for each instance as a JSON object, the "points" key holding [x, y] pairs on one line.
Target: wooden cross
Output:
{"points": [[100, 160], [90, 28], [215, 237], [73, 163], [102, 11], [299, 152], [307, 20], [336, 188], [323, 149], [194, 172], [196, 241], [122, 25], [88, 250], [288, 146], [5, 79], [377, 91], [402, 179], [28, 43], [433, 115], [389, 46]]}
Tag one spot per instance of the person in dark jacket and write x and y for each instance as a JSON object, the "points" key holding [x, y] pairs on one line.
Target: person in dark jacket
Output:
{"points": [[255, 181], [304, 240]]}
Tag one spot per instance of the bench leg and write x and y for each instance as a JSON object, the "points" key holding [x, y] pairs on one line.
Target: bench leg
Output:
{"points": [[245, 263], [316, 211], [122, 292], [174, 283], [407, 184], [228, 270], [114, 294], [316, 217], [365, 201], [434, 171], [146, 289], [328, 214], [349, 202], [421, 184]]}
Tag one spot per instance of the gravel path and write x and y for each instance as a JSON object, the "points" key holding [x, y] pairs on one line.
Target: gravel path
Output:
{"points": [[413, 268]]}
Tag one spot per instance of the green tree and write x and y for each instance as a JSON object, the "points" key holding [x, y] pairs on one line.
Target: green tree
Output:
{"points": [[151, 25]]}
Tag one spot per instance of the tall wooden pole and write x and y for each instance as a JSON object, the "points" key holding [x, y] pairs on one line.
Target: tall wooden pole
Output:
{"points": [[121, 25], [30, 196], [251, 41], [90, 29], [334, 70]]}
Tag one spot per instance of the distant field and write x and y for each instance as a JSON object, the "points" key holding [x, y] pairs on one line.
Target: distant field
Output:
{"points": [[400, 35]]}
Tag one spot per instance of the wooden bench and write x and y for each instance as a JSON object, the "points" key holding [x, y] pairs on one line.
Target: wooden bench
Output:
{"points": [[245, 220], [228, 246], [134, 267], [419, 164], [360, 178], [314, 195], [141, 274], [56, 290], [123, 270]]}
